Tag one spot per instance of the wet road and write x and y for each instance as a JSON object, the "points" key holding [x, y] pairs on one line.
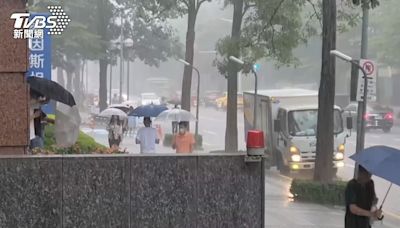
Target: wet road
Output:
{"points": [[278, 207]]}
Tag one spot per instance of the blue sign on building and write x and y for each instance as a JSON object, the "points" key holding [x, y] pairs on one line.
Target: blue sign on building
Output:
{"points": [[40, 56]]}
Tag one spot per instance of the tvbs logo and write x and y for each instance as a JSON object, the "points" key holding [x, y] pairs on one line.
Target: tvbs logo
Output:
{"points": [[31, 26], [22, 21]]}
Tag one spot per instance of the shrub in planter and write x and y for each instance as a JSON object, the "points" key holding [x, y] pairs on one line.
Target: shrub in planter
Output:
{"points": [[84, 145], [321, 193], [167, 142]]}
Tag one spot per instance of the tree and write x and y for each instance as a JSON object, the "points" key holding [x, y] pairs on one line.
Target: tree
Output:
{"points": [[261, 29], [326, 97], [172, 9]]}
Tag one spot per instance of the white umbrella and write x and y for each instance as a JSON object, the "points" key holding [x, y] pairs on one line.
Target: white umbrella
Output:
{"points": [[176, 115], [123, 107], [113, 112]]}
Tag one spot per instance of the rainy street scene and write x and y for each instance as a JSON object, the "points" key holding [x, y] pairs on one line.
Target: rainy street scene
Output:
{"points": [[200, 113]]}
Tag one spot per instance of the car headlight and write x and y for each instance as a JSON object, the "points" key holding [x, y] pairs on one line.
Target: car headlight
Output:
{"points": [[339, 156], [296, 158], [341, 148], [294, 150]]}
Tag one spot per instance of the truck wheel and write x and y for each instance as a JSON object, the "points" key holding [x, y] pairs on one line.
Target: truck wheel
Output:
{"points": [[283, 169], [386, 129]]}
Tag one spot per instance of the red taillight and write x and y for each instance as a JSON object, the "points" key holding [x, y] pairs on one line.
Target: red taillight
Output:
{"points": [[366, 116], [389, 116]]}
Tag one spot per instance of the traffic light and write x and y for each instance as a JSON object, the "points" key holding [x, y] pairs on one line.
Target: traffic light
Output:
{"points": [[354, 81], [256, 67]]}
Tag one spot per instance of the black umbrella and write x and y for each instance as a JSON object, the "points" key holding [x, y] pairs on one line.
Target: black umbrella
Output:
{"points": [[51, 90]]}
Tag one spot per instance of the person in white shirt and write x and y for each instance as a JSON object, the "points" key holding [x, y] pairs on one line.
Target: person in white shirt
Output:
{"points": [[147, 137]]}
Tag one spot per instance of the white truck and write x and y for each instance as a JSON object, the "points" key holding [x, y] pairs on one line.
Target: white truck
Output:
{"points": [[288, 118]]}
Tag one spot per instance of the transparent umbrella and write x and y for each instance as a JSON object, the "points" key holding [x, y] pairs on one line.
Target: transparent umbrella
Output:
{"points": [[113, 112], [176, 115]]}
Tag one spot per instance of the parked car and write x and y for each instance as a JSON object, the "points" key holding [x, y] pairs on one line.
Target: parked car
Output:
{"points": [[222, 102], [210, 97], [376, 117]]}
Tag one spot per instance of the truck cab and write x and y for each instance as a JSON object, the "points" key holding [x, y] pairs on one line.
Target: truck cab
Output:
{"points": [[295, 130], [288, 118]]}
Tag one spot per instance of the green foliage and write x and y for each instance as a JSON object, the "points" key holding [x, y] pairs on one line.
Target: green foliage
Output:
{"points": [[85, 144], [321, 193], [272, 29]]}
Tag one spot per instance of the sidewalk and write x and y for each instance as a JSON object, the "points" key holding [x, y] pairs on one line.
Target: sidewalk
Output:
{"points": [[281, 212]]}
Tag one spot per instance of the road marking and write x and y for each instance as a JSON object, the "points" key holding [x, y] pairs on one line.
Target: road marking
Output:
{"points": [[210, 132]]}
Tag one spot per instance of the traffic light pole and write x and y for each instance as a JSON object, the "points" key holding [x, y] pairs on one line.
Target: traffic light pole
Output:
{"points": [[362, 107], [255, 98]]}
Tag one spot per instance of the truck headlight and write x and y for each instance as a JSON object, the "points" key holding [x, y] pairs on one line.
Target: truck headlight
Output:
{"points": [[296, 158], [341, 148], [294, 150], [339, 156]]}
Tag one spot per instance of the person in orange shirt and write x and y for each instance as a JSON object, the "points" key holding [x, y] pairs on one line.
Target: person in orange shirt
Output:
{"points": [[184, 141]]}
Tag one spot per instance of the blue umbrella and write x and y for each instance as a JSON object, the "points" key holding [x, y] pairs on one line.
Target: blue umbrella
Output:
{"points": [[150, 110], [381, 161]]}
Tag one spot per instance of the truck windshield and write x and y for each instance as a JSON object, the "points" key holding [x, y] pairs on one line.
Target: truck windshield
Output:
{"points": [[304, 122]]}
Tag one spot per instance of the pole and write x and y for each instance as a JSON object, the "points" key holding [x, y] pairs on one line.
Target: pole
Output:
{"points": [[362, 107], [87, 76], [364, 35], [362, 104], [197, 103], [127, 80], [110, 92], [121, 62], [255, 99]]}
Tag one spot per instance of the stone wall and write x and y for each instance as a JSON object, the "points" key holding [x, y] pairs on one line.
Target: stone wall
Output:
{"points": [[131, 191], [14, 96]]}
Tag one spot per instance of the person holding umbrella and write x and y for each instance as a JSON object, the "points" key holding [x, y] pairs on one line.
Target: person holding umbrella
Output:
{"points": [[360, 199], [184, 141], [115, 131], [147, 137]]}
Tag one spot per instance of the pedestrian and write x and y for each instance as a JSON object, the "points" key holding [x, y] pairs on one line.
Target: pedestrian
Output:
{"points": [[147, 137], [115, 131], [35, 102], [183, 141], [40, 121], [360, 198]]}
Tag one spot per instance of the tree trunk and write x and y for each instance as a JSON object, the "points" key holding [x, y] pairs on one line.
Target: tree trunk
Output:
{"points": [[69, 81], [231, 133], [325, 136], [60, 76], [187, 73], [103, 85], [103, 62]]}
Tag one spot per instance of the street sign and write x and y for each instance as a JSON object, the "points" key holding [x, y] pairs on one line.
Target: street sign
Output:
{"points": [[370, 69], [40, 58]]}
